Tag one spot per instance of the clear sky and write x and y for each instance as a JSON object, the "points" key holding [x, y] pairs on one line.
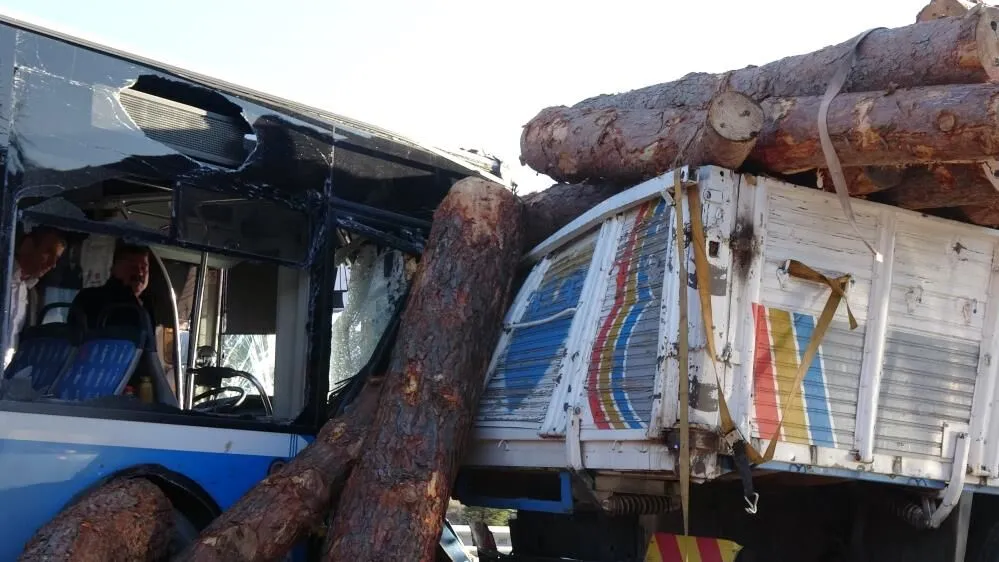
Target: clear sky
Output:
{"points": [[462, 73]]}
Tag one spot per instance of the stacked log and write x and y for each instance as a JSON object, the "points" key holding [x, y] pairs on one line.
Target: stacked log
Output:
{"points": [[912, 125]]}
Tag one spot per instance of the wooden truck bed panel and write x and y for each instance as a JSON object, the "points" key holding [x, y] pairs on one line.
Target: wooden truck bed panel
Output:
{"points": [[586, 375]]}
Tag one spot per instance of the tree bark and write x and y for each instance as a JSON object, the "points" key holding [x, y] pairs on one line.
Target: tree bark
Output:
{"points": [[125, 520], [275, 514], [940, 186], [394, 503], [915, 126], [958, 50], [546, 211], [624, 145]]}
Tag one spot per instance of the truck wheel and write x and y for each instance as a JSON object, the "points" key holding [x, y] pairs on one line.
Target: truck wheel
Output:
{"points": [[184, 533]]}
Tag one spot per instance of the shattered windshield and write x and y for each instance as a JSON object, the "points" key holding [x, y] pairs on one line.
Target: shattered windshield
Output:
{"points": [[375, 280]]}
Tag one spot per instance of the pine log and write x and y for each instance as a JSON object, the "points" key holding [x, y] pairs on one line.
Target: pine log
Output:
{"points": [[627, 146], [266, 523], [940, 186], [126, 520], [957, 50], [864, 181], [546, 211], [945, 8], [912, 126], [395, 500]]}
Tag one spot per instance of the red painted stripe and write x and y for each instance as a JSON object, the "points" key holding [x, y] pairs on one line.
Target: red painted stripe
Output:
{"points": [[596, 408], [709, 549], [764, 377], [669, 548]]}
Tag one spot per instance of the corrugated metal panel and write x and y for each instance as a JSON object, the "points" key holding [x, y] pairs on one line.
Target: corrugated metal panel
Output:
{"points": [[524, 380], [620, 380], [813, 231], [934, 331]]}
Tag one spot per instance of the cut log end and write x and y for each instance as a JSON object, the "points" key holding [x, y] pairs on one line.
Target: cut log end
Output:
{"points": [[937, 9], [987, 37], [735, 117]]}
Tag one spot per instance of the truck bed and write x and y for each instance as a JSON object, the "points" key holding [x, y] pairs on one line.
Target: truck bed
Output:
{"points": [[586, 375]]}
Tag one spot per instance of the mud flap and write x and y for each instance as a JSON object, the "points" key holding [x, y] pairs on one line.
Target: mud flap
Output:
{"points": [[667, 547]]}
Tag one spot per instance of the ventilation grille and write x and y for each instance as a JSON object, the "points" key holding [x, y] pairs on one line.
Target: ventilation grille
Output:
{"points": [[201, 135]]}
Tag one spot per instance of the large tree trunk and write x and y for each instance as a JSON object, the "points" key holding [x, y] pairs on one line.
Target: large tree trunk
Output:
{"points": [[279, 511], [939, 186], [394, 503], [622, 145], [546, 211], [915, 126], [126, 520], [959, 50]]}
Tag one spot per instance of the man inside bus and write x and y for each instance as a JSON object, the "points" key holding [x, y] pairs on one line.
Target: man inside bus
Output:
{"points": [[35, 254], [128, 281]]}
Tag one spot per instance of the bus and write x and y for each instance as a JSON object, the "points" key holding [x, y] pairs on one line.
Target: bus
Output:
{"points": [[251, 335]]}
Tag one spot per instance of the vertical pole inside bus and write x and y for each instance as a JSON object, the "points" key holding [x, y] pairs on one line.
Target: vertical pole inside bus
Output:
{"points": [[192, 342]]}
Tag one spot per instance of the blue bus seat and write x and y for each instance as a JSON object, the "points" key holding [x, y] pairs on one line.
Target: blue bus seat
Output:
{"points": [[102, 365], [46, 349]]}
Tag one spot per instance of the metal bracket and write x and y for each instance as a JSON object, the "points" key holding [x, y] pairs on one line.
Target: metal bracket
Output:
{"points": [[951, 495]]}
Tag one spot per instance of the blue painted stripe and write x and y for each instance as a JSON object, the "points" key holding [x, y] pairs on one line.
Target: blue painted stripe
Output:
{"points": [[815, 393]]}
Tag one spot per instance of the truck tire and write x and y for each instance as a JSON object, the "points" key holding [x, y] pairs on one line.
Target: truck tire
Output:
{"points": [[988, 548]]}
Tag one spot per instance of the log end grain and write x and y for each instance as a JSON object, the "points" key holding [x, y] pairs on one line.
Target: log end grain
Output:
{"points": [[735, 117], [987, 39], [124, 520], [937, 9]]}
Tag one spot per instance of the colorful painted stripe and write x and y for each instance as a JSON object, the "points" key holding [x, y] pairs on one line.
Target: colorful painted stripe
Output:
{"points": [[666, 547], [782, 338], [611, 403]]}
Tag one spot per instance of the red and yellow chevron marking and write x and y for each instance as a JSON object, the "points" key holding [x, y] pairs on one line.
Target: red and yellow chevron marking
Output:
{"points": [[665, 547]]}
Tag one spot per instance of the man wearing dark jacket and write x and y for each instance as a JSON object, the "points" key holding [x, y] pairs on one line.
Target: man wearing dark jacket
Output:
{"points": [[129, 279]]}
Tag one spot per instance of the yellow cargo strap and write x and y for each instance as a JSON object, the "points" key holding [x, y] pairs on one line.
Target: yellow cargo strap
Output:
{"points": [[684, 354], [702, 272]]}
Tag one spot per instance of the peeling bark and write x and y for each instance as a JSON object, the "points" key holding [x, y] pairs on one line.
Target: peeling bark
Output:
{"points": [[395, 500], [940, 186], [125, 520], [279, 511], [914, 126], [628, 145]]}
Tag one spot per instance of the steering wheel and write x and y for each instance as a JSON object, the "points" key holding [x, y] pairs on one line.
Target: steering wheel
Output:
{"points": [[220, 403], [213, 376]]}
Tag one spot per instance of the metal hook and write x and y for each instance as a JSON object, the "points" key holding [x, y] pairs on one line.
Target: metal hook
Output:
{"points": [[752, 504]]}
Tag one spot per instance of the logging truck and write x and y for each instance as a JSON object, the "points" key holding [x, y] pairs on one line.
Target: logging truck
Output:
{"points": [[830, 391], [251, 208]]}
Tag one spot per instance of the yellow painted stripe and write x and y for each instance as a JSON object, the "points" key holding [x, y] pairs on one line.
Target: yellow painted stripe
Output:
{"points": [[786, 364], [607, 357], [729, 550], [653, 553], [689, 549]]}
